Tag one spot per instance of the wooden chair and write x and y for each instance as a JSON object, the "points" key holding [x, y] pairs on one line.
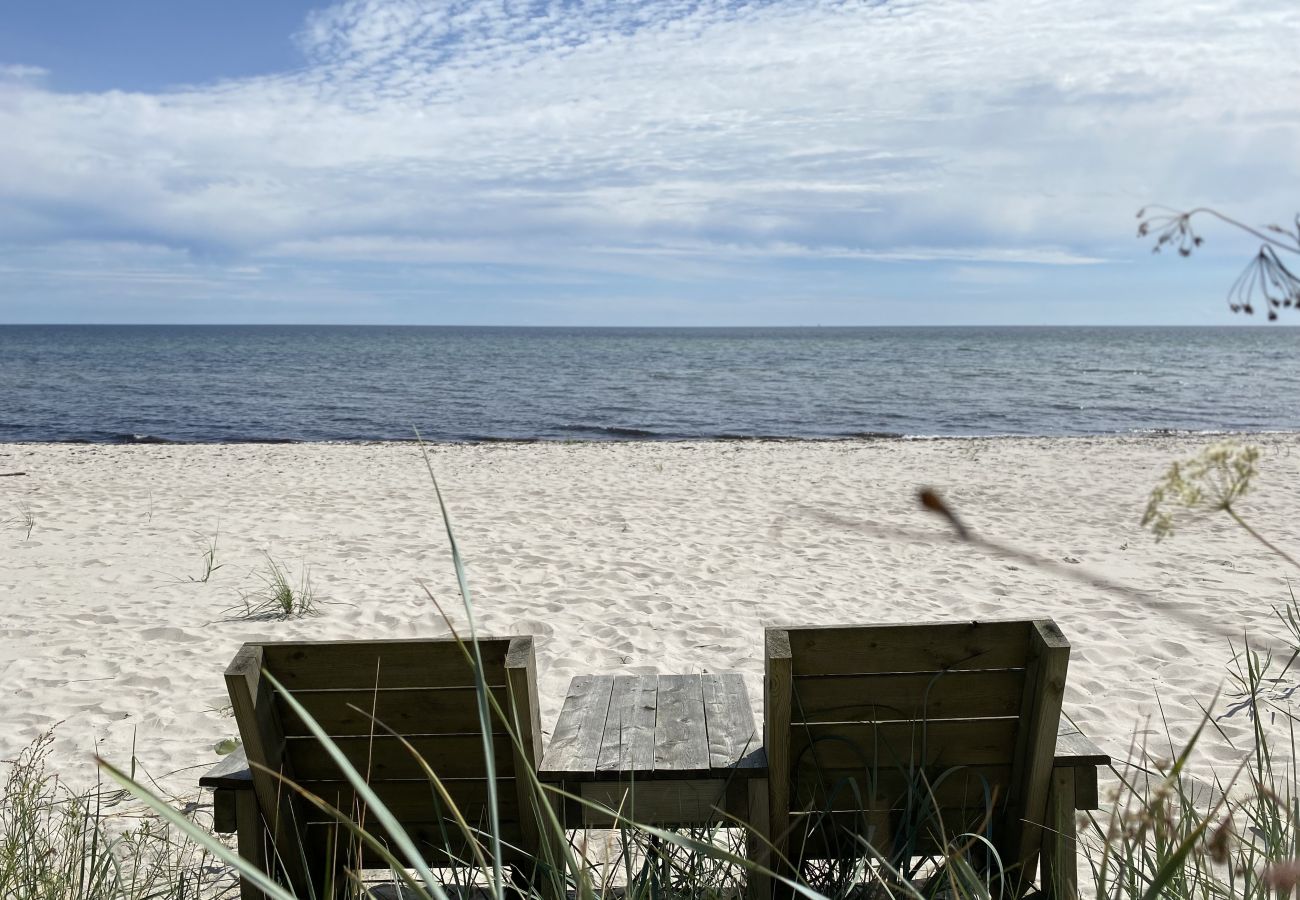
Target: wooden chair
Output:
{"points": [[907, 737], [422, 689]]}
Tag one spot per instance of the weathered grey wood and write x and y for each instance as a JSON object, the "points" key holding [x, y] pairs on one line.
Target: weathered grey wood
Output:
{"points": [[853, 696], [777, 687], [1073, 748], [417, 799], [386, 664], [929, 647], [1060, 879], [674, 802], [252, 837], [575, 742], [398, 680], [1076, 753], [841, 788], [729, 719], [1048, 662], [900, 745], [224, 810], [263, 743], [628, 738], [908, 696], [681, 737], [384, 757], [231, 772], [421, 710], [524, 724]]}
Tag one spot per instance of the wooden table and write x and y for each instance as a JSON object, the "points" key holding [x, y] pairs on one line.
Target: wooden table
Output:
{"points": [[669, 750]]}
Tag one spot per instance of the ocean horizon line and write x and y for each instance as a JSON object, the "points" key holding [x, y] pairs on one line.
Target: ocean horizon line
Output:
{"points": [[1235, 325]]}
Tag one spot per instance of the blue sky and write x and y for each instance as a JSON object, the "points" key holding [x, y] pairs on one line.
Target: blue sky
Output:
{"points": [[684, 162]]}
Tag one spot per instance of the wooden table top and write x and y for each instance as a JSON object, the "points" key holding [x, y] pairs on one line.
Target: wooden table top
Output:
{"points": [[654, 727]]}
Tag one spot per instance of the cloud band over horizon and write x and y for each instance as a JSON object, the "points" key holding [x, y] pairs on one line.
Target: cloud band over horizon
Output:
{"points": [[676, 162]]}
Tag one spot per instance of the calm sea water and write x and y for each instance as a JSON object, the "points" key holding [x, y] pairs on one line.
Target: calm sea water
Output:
{"points": [[217, 383]]}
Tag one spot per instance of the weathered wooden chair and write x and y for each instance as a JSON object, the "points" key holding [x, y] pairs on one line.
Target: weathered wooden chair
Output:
{"points": [[899, 742], [423, 690]]}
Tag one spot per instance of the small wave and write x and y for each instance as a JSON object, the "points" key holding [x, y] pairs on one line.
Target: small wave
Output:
{"points": [[874, 435], [613, 431], [727, 436], [489, 439]]}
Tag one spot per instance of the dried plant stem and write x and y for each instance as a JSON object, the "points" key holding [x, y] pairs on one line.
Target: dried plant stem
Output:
{"points": [[1259, 537]]}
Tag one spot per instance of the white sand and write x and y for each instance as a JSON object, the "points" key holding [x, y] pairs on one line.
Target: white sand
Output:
{"points": [[621, 557]]}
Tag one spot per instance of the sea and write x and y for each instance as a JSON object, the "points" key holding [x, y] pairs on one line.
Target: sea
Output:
{"points": [[164, 383]]}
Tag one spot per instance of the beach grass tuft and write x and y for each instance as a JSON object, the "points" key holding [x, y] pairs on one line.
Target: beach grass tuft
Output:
{"points": [[25, 520], [210, 564], [280, 597]]}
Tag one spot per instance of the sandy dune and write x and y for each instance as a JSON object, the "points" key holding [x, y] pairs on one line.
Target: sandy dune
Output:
{"points": [[620, 557]]}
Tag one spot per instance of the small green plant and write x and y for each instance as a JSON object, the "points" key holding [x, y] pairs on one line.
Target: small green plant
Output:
{"points": [[279, 597], [210, 564], [25, 520]]}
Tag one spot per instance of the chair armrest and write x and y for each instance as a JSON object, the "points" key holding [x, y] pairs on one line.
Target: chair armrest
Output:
{"points": [[1075, 751], [231, 781], [231, 773]]}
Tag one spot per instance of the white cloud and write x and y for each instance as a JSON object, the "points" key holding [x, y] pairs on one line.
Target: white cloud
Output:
{"points": [[565, 134], [16, 72]]}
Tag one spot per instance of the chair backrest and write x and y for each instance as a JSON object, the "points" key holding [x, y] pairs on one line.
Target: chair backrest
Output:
{"points": [[423, 690], [910, 735]]}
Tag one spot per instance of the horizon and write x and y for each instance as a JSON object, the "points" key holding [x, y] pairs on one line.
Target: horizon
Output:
{"points": [[785, 163], [1255, 323]]}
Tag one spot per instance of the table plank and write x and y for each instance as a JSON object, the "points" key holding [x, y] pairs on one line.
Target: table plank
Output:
{"points": [[729, 719], [628, 743], [575, 743], [681, 739]]}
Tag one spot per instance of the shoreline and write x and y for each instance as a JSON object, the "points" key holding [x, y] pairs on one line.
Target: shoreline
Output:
{"points": [[620, 556], [651, 438]]}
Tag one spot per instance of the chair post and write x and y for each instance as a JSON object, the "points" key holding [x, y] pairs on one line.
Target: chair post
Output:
{"points": [[777, 690], [1060, 879], [525, 724], [1040, 716], [252, 837], [263, 740]]}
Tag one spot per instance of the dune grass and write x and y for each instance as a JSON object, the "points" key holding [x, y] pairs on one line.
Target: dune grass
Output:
{"points": [[57, 843]]}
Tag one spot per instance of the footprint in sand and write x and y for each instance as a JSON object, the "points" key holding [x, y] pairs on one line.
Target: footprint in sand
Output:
{"points": [[532, 626], [176, 635]]}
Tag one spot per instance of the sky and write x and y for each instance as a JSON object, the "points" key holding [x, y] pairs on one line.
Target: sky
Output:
{"points": [[676, 162]]}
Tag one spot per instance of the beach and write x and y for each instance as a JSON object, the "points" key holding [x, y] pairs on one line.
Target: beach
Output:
{"points": [[126, 570]]}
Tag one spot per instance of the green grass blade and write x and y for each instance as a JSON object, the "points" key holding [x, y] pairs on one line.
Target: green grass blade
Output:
{"points": [[481, 692]]}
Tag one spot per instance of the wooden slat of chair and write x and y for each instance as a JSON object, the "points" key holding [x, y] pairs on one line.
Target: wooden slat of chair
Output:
{"points": [[318, 665], [943, 646]]}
